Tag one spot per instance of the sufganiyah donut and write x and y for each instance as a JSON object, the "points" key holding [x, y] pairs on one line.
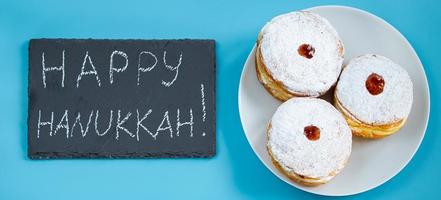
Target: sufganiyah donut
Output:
{"points": [[309, 140], [299, 54], [375, 96]]}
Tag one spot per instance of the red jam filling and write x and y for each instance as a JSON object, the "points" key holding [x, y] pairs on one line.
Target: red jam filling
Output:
{"points": [[375, 84], [312, 132]]}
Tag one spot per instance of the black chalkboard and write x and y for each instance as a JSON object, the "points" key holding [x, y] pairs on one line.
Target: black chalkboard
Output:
{"points": [[121, 98]]}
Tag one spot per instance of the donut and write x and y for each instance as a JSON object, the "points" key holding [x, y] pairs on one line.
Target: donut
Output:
{"points": [[298, 54], [375, 96], [308, 140]]}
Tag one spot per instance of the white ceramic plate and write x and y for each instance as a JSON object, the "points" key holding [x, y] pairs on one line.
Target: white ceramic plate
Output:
{"points": [[372, 162]]}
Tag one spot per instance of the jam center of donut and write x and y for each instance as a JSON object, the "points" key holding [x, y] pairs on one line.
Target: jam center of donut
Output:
{"points": [[312, 132], [375, 84], [306, 51]]}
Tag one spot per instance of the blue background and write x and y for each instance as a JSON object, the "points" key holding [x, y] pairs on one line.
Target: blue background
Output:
{"points": [[235, 172]]}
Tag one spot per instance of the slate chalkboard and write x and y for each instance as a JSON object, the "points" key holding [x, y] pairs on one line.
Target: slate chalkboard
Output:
{"points": [[121, 98]]}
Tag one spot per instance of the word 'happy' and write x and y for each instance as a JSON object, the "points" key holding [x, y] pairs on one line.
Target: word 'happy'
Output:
{"points": [[89, 69]]}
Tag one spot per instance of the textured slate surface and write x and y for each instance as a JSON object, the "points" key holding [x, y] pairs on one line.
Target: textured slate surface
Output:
{"points": [[121, 98]]}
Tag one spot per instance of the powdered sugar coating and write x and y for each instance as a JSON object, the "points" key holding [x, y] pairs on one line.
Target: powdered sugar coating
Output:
{"points": [[393, 104], [292, 149], [280, 40]]}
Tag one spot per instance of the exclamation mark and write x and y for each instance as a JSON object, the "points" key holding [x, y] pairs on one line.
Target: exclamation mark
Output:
{"points": [[203, 105]]}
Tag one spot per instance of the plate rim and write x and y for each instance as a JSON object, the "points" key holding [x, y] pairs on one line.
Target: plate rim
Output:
{"points": [[425, 85]]}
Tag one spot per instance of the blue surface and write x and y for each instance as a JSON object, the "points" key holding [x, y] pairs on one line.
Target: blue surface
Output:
{"points": [[235, 172]]}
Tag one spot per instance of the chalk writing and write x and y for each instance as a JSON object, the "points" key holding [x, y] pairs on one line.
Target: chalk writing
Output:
{"points": [[112, 68], [121, 119], [139, 123], [145, 69], [204, 113], [64, 123], [96, 123], [48, 69], [119, 124], [175, 69], [40, 123], [179, 123], [91, 72], [121, 98], [78, 121]]}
